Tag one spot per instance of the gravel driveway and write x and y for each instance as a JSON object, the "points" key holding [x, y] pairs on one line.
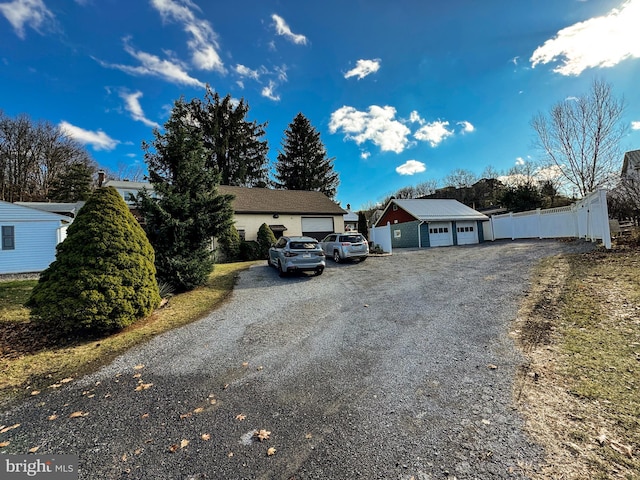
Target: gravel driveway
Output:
{"points": [[376, 370]]}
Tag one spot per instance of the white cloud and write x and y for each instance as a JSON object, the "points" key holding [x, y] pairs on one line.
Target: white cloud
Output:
{"points": [[411, 167], [598, 42], [377, 125], [415, 118], [434, 132], [203, 43], [19, 13], [171, 71], [365, 155], [364, 68], [269, 93], [283, 29], [132, 105], [246, 72], [520, 161], [635, 125], [467, 127], [98, 140]]}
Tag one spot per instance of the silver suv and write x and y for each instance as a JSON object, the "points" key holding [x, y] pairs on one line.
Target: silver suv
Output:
{"points": [[296, 254], [343, 246]]}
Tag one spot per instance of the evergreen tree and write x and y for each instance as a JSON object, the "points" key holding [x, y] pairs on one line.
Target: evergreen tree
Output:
{"points": [[103, 277], [362, 224], [73, 184], [230, 244], [188, 211], [234, 145], [266, 238], [303, 163]]}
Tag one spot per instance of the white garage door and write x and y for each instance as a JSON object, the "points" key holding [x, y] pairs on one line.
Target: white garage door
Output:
{"points": [[317, 227], [440, 234], [467, 233]]}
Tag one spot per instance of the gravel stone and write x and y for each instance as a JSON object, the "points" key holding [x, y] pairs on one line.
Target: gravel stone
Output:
{"points": [[377, 370]]}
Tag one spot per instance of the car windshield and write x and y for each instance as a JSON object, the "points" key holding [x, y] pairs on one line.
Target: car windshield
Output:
{"points": [[351, 238], [302, 245]]}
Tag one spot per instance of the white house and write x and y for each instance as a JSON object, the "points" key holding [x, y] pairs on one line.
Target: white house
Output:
{"points": [[29, 238]]}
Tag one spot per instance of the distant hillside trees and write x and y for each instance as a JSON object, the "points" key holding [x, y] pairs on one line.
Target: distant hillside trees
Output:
{"points": [[35, 157], [103, 278], [235, 147], [303, 164], [189, 211]]}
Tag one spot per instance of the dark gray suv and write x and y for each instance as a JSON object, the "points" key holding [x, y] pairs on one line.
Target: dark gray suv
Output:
{"points": [[343, 246]]}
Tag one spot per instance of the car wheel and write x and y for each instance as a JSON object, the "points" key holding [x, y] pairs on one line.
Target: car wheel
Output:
{"points": [[362, 259], [319, 271], [280, 270], [336, 256]]}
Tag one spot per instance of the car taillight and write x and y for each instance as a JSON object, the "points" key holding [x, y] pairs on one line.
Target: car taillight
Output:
{"points": [[290, 254], [345, 244]]}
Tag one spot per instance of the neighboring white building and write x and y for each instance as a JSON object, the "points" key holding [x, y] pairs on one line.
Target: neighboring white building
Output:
{"points": [[128, 189], [29, 238], [351, 220]]}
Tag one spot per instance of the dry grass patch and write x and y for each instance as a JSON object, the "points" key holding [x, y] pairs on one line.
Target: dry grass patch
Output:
{"points": [[32, 359], [580, 330]]}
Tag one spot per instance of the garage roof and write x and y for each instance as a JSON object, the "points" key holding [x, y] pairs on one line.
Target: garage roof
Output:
{"points": [[433, 209]]}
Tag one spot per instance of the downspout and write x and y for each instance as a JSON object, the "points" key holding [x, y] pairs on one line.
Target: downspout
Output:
{"points": [[419, 234]]}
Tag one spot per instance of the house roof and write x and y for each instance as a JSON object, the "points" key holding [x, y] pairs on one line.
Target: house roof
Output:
{"points": [[434, 209], [266, 200], [350, 216], [19, 213], [69, 209], [631, 161], [126, 185]]}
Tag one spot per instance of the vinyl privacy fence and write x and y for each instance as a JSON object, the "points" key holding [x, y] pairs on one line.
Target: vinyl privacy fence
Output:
{"points": [[587, 219]]}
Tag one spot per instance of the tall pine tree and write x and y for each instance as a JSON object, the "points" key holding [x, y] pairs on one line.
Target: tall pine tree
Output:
{"points": [[188, 210], [302, 164], [234, 144]]}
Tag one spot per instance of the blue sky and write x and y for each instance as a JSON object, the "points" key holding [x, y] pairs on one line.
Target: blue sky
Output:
{"points": [[401, 92]]}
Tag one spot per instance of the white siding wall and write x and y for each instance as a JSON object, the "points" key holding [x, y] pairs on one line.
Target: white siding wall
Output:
{"points": [[36, 235], [251, 223]]}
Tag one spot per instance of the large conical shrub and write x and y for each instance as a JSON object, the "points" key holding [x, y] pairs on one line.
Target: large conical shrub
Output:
{"points": [[103, 277]]}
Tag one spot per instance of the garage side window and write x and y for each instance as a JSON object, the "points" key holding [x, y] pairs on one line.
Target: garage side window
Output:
{"points": [[8, 237]]}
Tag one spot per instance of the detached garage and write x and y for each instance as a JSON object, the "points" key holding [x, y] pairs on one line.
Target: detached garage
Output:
{"points": [[432, 223]]}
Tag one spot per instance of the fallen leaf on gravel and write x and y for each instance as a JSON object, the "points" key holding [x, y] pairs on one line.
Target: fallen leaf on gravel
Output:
{"points": [[308, 436], [213, 401], [35, 392], [262, 434], [184, 443], [66, 380], [34, 449], [230, 454], [225, 386], [138, 367], [143, 386], [6, 429], [4, 444], [91, 396], [198, 410], [185, 415], [260, 368], [623, 449], [138, 451], [174, 448], [486, 422], [55, 385], [491, 366], [107, 395], [52, 417], [205, 436], [78, 414], [137, 375], [124, 457], [271, 451], [366, 306], [245, 364], [240, 417]]}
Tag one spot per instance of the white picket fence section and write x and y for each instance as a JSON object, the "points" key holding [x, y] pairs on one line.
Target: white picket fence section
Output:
{"points": [[588, 219], [381, 236]]}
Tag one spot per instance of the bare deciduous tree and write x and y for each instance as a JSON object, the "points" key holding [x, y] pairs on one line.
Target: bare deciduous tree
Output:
{"points": [[460, 178], [581, 137]]}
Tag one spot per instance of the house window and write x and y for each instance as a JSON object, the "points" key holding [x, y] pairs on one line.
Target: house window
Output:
{"points": [[241, 232], [397, 233], [8, 237], [394, 207]]}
